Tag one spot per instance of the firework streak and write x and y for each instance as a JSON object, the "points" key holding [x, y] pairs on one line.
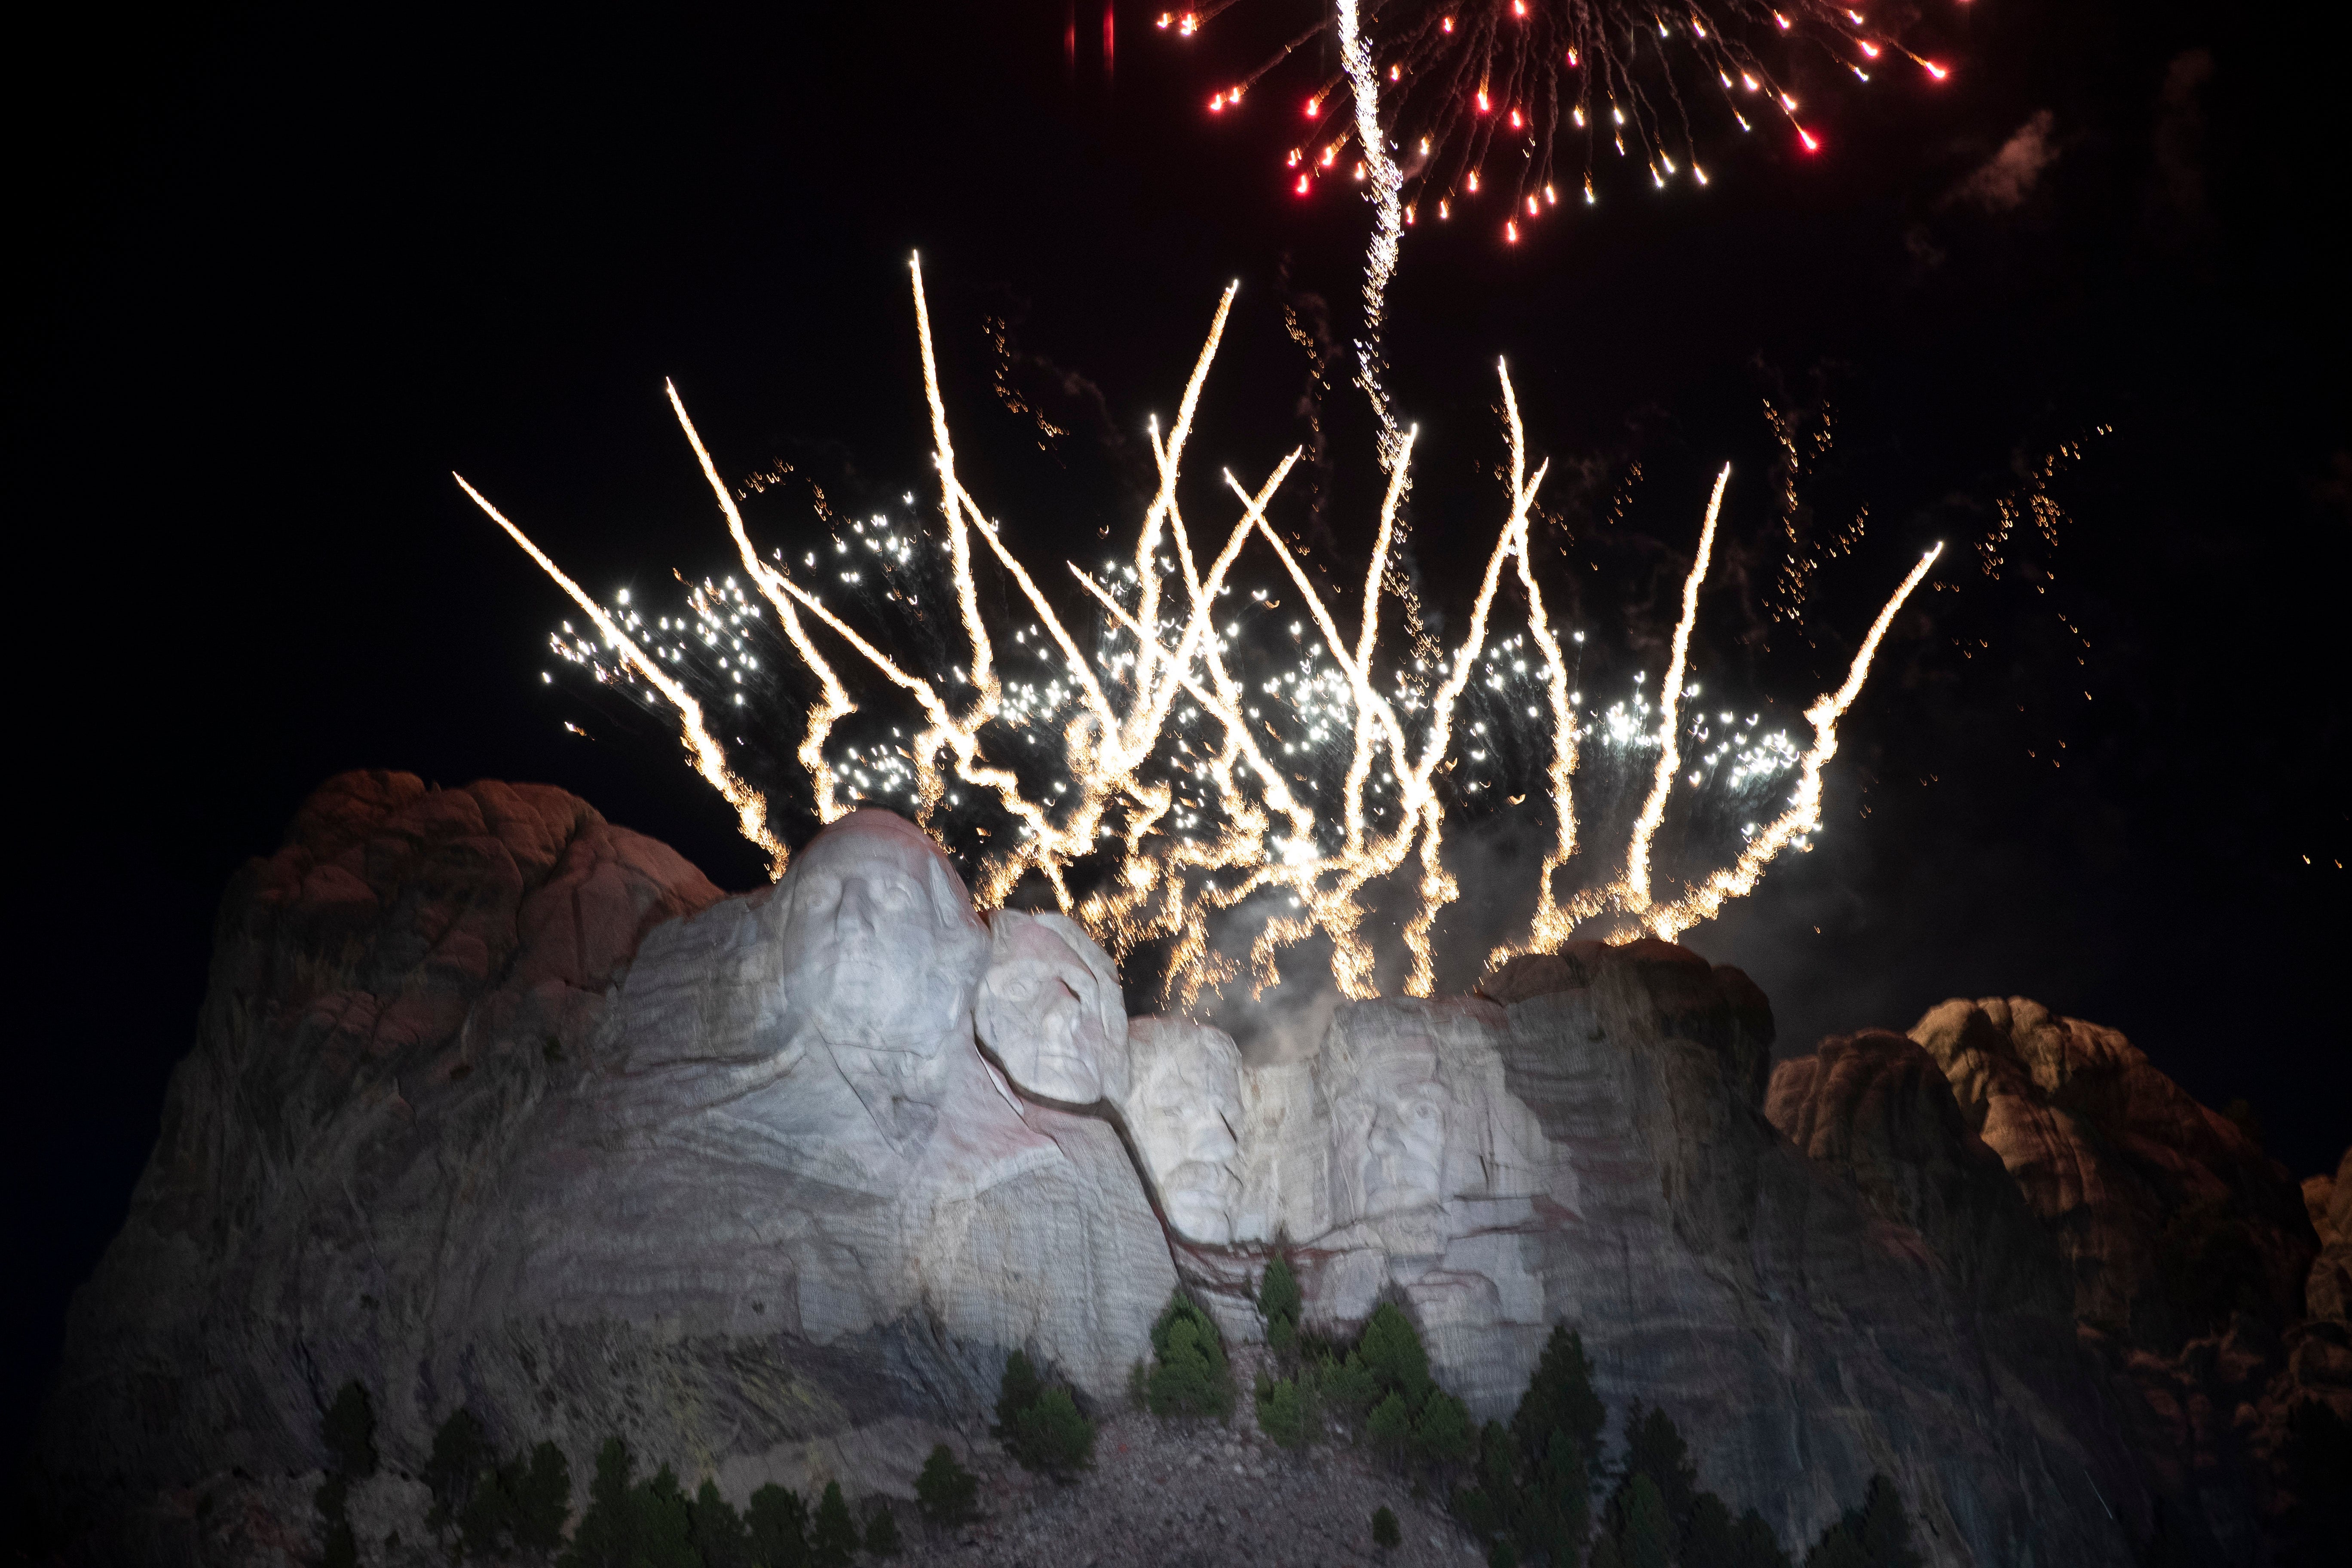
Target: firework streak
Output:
{"points": [[1171, 785]]}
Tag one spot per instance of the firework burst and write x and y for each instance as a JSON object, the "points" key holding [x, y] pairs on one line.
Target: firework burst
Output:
{"points": [[1185, 764], [1520, 103]]}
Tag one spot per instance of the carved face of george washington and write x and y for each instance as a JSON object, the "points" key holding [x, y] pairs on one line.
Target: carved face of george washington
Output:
{"points": [[881, 950]]}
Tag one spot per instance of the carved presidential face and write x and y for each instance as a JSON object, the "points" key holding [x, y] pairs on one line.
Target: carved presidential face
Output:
{"points": [[1050, 1008], [1390, 1116], [881, 948], [1183, 1111]]}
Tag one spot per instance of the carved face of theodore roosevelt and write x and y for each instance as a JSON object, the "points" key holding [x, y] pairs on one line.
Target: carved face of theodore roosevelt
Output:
{"points": [[881, 948]]}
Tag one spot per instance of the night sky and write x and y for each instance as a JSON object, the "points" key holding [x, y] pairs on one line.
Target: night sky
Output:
{"points": [[280, 272]]}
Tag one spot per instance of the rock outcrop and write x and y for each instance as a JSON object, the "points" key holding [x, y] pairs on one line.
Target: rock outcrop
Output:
{"points": [[1875, 1108], [493, 1103], [496, 1104], [2170, 1217], [2327, 1199]]}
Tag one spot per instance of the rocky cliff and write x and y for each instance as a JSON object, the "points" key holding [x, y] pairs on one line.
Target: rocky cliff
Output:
{"points": [[493, 1103]]}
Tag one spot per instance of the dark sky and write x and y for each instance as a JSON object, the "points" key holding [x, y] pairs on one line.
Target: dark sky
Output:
{"points": [[280, 272]]}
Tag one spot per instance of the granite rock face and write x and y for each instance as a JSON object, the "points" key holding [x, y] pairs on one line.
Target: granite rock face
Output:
{"points": [[1584, 1142], [494, 1103]]}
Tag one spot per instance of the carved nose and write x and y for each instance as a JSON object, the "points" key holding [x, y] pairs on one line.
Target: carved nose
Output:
{"points": [[858, 905]]}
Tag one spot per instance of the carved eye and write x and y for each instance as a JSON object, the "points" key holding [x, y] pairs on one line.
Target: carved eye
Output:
{"points": [[1424, 1110]]}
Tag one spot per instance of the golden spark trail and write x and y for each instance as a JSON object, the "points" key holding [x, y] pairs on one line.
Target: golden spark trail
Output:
{"points": [[709, 760], [835, 705], [1551, 924], [1654, 810], [1179, 792], [1804, 813]]}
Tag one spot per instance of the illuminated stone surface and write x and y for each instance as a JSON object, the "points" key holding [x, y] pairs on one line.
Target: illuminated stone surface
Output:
{"points": [[493, 1103]]}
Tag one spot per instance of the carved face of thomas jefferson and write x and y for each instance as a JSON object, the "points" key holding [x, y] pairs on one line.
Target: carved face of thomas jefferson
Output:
{"points": [[1050, 1008], [881, 950]]}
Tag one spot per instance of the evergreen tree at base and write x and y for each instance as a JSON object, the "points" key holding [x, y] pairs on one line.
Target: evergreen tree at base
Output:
{"points": [[717, 1531], [1642, 1537], [834, 1539], [1836, 1549], [1020, 1388], [1384, 1527], [1882, 1531], [542, 1499], [1188, 1375], [1753, 1544], [1278, 1301], [606, 1536], [778, 1522], [1560, 1398], [945, 1491], [664, 1521], [349, 1432], [882, 1533], [1708, 1535]]}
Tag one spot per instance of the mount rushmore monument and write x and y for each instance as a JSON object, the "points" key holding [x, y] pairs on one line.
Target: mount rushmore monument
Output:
{"points": [[494, 1103]]}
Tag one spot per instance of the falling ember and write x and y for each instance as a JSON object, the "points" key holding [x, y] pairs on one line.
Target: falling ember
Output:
{"points": [[1511, 230], [1168, 776]]}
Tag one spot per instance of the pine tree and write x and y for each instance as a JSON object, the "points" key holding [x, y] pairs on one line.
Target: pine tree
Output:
{"points": [[664, 1523], [1441, 1433], [543, 1501], [1390, 1427], [1018, 1390], [1706, 1534], [945, 1491], [779, 1521], [1654, 1448], [1836, 1549], [1353, 1387], [1281, 1412], [834, 1539], [1753, 1544], [1560, 1398], [1392, 1353], [350, 1432], [1556, 1505], [1882, 1531], [1645, 1537], [717, 1531], [882, 1533], [461, 1452], [1384, 1529], [1051, 1436], [1279, 1302], [606, 1536], [1188, 1375]]}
